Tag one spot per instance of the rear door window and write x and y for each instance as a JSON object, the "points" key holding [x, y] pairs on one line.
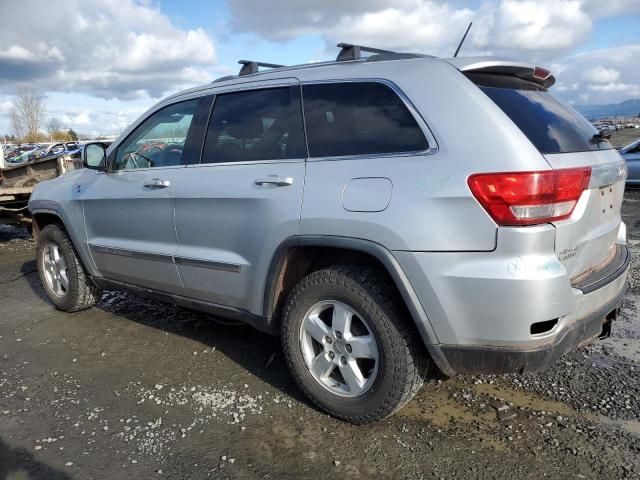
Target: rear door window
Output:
{"points": [[255, 125], [551, 125], [358, 118]]}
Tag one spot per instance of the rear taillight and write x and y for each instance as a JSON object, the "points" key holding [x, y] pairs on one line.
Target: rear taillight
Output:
{"points": [[529, 198]]}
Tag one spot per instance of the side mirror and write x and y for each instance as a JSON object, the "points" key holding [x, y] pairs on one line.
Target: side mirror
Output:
{"points": [[94, 156]]}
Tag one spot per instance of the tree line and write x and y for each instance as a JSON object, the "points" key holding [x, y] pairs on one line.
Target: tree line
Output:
{"points": [[27, 118]]}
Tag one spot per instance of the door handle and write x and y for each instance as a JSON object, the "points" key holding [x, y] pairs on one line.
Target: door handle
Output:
{"points": [[276, 180], [157, 183]]}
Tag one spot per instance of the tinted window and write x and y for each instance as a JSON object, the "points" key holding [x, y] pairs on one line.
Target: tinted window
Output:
{"points": [[549, 124], [358, 118], [255, 125], [159, 141]]}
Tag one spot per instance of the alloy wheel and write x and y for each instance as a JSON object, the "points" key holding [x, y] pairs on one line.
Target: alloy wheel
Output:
{"points": [[339, 348]]}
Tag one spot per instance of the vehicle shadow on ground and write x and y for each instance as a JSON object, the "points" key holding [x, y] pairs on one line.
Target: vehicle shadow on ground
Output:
{"points": [[12, 271], [18, 464], [256, 352]]}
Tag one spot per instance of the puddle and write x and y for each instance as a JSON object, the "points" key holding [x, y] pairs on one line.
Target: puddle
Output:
{"points": [[533, 402], [441, 410], [523, 399], [630, 426]]}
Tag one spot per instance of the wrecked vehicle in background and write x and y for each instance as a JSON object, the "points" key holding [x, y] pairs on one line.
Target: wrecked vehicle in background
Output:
{"points": [[23, 166]]}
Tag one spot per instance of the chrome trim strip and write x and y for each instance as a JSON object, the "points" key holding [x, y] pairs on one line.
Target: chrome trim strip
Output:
{"points": [[247, 162], [194, 262], [121, 252], [191, 262]]}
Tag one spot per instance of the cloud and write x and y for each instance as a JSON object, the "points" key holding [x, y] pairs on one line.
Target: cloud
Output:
{"points": [[6, 106], [284, 19], [541, 31], [429, 27], [631, 88], [79, 120], [540, 24], [601, 76], [538, 29], [599, 8], [109, 48]]}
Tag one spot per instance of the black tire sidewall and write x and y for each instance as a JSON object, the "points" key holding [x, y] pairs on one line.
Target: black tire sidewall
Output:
{"points": [[54, 234], [380, 396]]}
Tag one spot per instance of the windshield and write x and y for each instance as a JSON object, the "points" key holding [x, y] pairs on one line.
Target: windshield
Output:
{"points": [[551, 125]]}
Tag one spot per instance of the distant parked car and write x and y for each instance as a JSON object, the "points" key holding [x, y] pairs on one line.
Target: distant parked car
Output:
{"points": [[631, 153]]}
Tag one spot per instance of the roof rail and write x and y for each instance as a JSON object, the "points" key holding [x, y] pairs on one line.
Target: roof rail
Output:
{"points": [[249, 66], [226, 77], [352, 52]]}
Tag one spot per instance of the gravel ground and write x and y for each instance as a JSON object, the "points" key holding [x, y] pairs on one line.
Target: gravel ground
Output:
{"points": [[135, 388]]}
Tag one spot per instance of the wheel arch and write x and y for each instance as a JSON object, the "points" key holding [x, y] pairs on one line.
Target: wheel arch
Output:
{"points": [[298, 256], [42, 217]]}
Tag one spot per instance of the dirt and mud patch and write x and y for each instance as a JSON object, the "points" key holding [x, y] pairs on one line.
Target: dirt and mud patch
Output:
{"points": [[137, 389]]}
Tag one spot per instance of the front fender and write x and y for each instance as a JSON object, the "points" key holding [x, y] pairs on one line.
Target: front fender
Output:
{"points": [[61, 198]]}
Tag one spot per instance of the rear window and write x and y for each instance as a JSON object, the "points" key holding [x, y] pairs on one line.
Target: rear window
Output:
{"points": [[358, 118], [551, 125]]}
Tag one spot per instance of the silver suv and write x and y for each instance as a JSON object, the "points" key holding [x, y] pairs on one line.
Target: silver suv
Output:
{"points": [[383, 214]]}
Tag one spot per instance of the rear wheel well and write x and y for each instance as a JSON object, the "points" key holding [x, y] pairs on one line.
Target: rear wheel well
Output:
{"points": [[41, 220], [298, 262]]}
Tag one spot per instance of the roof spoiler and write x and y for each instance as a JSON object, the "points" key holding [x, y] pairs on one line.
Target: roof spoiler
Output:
{"points": [[503, 66]]}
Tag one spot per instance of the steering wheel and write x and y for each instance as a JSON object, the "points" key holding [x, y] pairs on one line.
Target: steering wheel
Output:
{"points": [[133, 157], [174, 146], [171, 154]]}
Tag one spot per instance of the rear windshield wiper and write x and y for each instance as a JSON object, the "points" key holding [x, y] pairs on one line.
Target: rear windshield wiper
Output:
{"points": [[603, 135]]}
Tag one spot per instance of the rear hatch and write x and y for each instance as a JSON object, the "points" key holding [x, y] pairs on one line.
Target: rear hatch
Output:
{"points": [[585, 241]]}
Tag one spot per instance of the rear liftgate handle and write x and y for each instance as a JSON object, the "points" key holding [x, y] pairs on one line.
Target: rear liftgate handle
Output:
{"points": [[276, 180], [157, 183]]}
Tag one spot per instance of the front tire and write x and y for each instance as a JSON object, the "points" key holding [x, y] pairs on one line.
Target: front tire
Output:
{"points": [[348, 346], [64, 280]]}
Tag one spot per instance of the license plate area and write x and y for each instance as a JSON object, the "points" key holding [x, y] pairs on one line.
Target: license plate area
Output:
{"points": [[607, 201]]}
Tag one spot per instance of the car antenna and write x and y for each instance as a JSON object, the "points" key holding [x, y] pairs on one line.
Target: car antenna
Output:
{"points": [[462, 41]]}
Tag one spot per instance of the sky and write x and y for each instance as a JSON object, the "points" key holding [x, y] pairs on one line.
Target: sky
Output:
{"points": [[102, 63]]}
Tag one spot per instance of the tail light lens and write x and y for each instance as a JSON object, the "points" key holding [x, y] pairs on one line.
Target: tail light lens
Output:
{"points": [[530, 198]]}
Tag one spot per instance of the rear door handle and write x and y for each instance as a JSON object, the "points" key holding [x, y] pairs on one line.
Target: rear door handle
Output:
{"points": [[276, 180], [157, 183]]}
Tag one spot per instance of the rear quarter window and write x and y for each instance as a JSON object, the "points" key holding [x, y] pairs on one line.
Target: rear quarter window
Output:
{"points": [[551, 125], [358, 118]]}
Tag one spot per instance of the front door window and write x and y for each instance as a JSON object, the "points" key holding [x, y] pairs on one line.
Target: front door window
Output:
{"points": [[159, 141]]}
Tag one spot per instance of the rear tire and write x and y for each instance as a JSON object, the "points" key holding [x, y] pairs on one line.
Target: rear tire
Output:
{"points": [[388, 371], [64, 280]]}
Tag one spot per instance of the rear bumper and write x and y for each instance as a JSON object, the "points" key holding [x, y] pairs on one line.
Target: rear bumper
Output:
{"points": [[495, 360], [609, 282], [483, 317]]}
